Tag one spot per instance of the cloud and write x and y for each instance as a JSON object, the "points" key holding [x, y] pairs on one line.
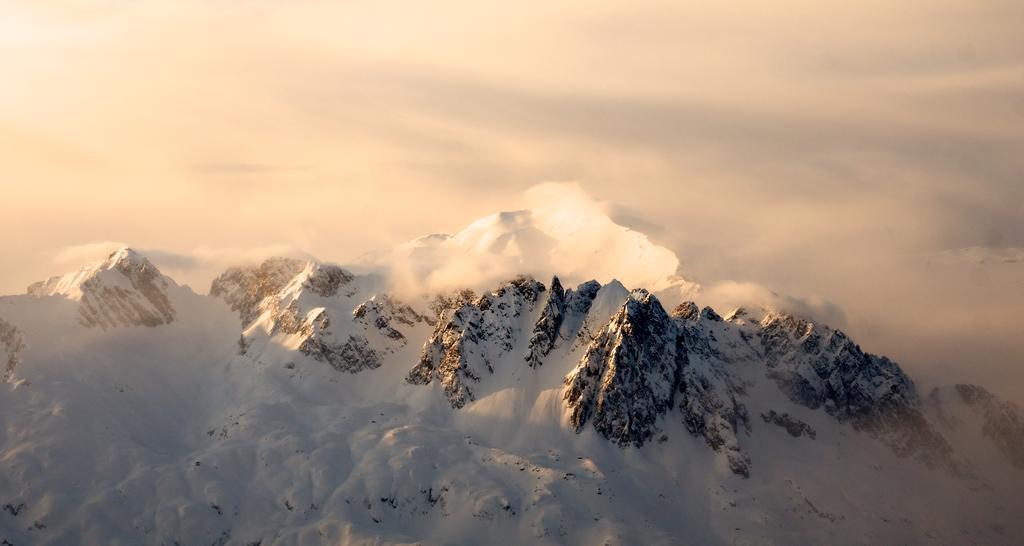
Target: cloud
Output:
{"points": [[726, 296], [809, 156], [76, 255], [563, 231], [980, 255]]}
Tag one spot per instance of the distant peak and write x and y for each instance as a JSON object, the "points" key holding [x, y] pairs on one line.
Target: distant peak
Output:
{"points": [[126, 289], [738, 313], [125, 253], [126, 257], [686, 310], [614, 283], [641, 295]]}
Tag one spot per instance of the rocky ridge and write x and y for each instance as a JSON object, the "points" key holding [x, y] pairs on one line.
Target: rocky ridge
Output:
{"points": [[627, 378], [1001, 422], [819, 367], [123, 290], [643, 362], [636, 364], [310, 305], [13, 343], [469, 338]]}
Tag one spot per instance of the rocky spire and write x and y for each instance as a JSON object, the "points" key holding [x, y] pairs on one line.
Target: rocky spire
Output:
{"points": [[628, 376], [546, 329]]}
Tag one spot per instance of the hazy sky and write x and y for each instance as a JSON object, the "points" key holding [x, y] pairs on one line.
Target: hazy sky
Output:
{"points": [[846, 151]]}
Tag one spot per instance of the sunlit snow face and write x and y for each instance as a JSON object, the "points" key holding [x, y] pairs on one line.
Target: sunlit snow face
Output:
{"points": [[564, 233]]}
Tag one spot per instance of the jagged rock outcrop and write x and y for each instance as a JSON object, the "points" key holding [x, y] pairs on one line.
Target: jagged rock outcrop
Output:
{"points": [[710, 400], [346, 353], [12, 343], [546, 330], [309, 304], [326, 280], [686, 311], [795, 427], [819, 367], [470, 338], [353, 354], [245, 289], [1002, 422], [588, 309], [578, 301], [386, 315], [628, 376], [123, 290], [641, 363]]}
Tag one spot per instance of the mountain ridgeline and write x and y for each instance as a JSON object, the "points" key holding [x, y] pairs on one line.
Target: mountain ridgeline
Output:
{"points": [[634, 364], [643, 365], [531, 411]]}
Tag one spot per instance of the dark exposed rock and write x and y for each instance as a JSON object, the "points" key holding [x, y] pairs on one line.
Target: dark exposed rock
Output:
{"points": [[352, 354], [641, 363], [579, 324], [686, 311], [13, 343], [244, 289], [795, 427], [628, 376], [819, 367], [578, 301], [447, 301], [709, 314], [546, 329], [325, 280], [710, 397], [387, 315], [14, 509], [470, 338], [287, 294]]}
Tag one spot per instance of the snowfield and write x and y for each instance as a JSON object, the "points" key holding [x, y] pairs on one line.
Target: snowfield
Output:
{"points": [[301, 404]]}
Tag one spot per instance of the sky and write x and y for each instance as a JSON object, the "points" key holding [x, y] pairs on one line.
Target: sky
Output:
{"points": [[866, 156]]}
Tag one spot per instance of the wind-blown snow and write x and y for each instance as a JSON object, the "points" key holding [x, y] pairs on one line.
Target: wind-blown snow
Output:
{"points": [[564, 233]]}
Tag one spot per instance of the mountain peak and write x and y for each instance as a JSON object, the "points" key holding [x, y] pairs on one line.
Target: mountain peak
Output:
{"points": [[246, 288], [562, 231], [628, 375], [125, 289], [126, 257]]}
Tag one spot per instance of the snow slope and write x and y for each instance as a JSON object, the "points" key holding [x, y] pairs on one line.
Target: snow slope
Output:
{"points": [[564, 233], [300, 404]]}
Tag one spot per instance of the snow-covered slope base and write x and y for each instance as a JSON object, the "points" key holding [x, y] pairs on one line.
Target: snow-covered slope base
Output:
{"points": [[298, 404]]}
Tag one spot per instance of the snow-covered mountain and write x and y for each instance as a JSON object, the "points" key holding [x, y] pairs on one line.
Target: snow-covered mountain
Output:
{"points": [[299, 403], [123, 290], [563, 233]]}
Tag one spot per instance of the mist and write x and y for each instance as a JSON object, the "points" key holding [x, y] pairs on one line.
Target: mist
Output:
{"points": [[779, 154]]}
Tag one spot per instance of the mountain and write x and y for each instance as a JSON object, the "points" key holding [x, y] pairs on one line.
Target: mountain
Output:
{"points": [[123, 290], [300, 403], [310, 307], [985, 420], [563, 234]]}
